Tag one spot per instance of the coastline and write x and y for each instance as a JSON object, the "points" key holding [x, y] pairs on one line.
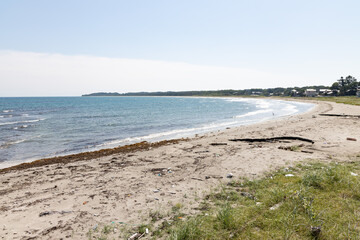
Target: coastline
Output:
{"points": [[125, 186], [159, 138]]}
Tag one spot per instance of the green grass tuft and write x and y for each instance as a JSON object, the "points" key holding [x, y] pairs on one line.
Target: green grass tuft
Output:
{"points": [[321, 201]]}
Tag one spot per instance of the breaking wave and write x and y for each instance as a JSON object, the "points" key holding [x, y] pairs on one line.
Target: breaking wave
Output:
{"points": [[29, 121]]}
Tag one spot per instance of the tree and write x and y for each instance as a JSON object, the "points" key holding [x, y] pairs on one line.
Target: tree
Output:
{"points": [[347, 86]]}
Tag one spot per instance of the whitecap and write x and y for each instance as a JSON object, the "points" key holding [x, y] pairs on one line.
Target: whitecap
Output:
{"points": [[290, 109], [7, 111], [29, 121], [8, 144], [254, 113], [259, 103]]}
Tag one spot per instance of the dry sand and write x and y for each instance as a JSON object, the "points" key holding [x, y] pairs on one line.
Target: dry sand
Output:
{"points": [[62, 201]]}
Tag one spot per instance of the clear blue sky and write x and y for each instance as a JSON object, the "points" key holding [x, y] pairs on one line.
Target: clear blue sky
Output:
{"points": [[303, 41]]}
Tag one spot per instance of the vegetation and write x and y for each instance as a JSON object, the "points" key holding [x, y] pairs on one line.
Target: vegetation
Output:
{"points": [[346, 86], [343, 87], [321, 201], [352, 100], [102, 94], [218, 93]]}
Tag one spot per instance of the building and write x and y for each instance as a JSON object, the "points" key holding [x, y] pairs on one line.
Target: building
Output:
{"points": [[294, 93], [325, 92], [310, 93]]}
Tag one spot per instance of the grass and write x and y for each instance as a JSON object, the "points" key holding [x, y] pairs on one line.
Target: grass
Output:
{"points": [[116, 231], [352, 100], [321, 201]]}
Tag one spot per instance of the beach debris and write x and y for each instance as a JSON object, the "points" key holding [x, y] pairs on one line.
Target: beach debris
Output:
{"points": [[315, 231], [304, 151], [229, 175], [270, 139], [276, 206], [199, 179], [53, 212], [207, 177], [291, 148], [156, 191], [218, 144], [339, 115], [206, 151], [84, 203], [95, 227], [248, 195], [351, 139], [353, 174], [93, 154], [44, 214], [134, 236], [289, 175], [147, 231]]}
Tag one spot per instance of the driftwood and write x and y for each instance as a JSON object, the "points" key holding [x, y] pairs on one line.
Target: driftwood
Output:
{"points": [[217, 144], [304, 151], [339, 115], [199, 179], [270, 139], [351, 139]]}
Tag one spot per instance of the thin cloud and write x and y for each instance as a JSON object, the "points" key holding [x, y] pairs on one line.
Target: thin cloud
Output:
{"points": [[40, 74]]}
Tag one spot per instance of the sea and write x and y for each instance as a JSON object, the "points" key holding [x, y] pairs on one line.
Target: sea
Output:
{"points": [[40, 127]]}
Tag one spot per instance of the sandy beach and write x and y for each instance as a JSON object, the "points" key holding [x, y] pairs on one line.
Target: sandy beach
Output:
{"points": [[67, 199]]}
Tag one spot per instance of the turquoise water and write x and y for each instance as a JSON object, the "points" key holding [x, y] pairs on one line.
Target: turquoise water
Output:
{"points": [[34, 128]]}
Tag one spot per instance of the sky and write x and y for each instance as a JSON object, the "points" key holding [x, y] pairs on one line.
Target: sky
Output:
{"points": [[74, 47]]}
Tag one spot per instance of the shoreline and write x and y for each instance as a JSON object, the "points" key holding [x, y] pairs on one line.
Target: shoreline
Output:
{"points": [[134, 146], [70, 199], [141, 146]]}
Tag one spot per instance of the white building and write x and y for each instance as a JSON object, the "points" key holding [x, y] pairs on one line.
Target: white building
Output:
{"points": [[325, 92], [310, 92]]}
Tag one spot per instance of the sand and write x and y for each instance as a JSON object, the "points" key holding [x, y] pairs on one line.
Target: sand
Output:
{"points": [[66, 200]]}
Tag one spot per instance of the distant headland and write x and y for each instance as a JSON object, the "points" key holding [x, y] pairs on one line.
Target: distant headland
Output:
{"points": [[102, 94]]}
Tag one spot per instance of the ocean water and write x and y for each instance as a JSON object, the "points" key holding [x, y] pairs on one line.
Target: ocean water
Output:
{"points": [[34, 128]]}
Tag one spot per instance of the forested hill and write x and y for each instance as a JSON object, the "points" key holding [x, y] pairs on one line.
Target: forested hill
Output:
{"points": [[101, 94]]}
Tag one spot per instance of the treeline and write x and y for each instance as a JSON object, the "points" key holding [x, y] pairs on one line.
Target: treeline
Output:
{"points": [[218, 93], [342, 87], [346, 86], [99, 94]]}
